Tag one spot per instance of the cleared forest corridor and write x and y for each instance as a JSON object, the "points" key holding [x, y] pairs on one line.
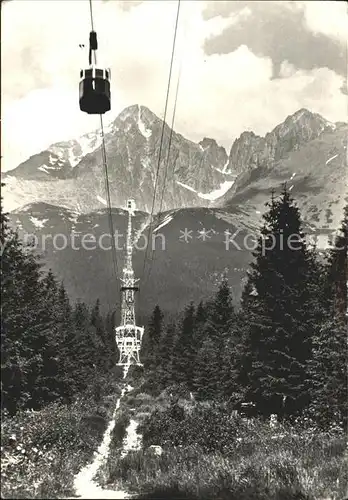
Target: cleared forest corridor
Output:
{"points": [[84, 484]]}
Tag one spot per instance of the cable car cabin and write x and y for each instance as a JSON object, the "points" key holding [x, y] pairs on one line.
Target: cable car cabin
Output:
{"points": [[95, 91]]}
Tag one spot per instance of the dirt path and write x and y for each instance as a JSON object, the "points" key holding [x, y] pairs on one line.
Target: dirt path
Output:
{"points": [[85, 486]]}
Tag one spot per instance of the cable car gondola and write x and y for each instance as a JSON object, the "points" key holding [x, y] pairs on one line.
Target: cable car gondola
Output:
{"points": [[95, 95]]}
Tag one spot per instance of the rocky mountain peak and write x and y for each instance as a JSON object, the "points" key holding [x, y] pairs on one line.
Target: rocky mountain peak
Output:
{"points": [[192, 173], [305, 123], [214, 154], [195, 174], [250, 151], [207, 142], [248, 135], [302, 113], [138, 121], [136, 111], [297, 129]]}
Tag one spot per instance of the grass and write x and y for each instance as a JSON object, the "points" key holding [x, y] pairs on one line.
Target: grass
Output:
{"points": [[43, 450], [269, 474], [208, 454], [256, 461]]}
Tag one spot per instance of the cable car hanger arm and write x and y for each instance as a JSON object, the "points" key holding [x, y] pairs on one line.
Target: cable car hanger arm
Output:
{"points": [[93, 46]]}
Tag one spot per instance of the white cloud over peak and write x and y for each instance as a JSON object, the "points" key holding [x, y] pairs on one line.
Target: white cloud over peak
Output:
{"points": [[219, 95], [329, 18]]}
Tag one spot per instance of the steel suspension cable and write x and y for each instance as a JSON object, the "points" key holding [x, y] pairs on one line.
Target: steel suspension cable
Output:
{"points": [[166, 168], [106, 173], [162, 136]]}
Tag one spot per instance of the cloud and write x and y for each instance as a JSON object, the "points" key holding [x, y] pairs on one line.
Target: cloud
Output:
{"points": [[127, 4], [328, 18], [220, 95], [303, 33]]}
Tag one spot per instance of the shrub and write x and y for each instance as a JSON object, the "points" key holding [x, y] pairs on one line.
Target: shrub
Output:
{"points": [[42, 450], [142, 416], [213, 454], [208, 427]]}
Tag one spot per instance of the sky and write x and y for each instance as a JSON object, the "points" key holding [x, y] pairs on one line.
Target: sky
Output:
{"points": [[241, 65]]}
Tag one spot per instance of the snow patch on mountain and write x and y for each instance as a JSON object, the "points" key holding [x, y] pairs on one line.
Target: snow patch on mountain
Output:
{"points": [[146, 163], [330, 159], [73, 217], [165, 221], [45, 168], [99, 198], [146, 132], [217, 169], [186, 186], [225, 216], [37, 222], [73, 151], [217, 193], [88, 143], [225, 167]]}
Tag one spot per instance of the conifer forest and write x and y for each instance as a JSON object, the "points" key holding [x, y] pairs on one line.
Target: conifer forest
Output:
{"points": [[242, 401]]}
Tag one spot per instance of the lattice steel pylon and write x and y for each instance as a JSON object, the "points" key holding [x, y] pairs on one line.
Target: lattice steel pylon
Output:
{"points": [[128, 335]]}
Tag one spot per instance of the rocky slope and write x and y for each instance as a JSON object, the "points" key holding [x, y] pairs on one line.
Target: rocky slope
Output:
{"points": [[251, 151], [316, 172], [189, 251], [71, 173], [305, 151], [76, 248]]}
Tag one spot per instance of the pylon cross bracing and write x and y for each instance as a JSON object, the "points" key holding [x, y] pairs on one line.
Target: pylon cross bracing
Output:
{"points": [[128, 334]]}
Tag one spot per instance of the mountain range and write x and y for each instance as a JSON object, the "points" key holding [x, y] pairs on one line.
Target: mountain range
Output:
{"points": [[71, 174], [206, 191]]}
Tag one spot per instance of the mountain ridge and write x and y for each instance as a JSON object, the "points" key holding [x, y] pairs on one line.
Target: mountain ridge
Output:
{"points": [[132, 144], [197, 174], [194, 248]]}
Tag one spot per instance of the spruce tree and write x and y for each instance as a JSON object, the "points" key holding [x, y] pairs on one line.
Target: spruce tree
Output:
{"points": [[206, 368], [110, 337], [222, 308], [200, 319], [152, 338], [329, 364], [278, 310], [329, 374], [82, 344], [47, 386], [22, 335], [164, 370], [184, 351], [337, 275], [66, 352], [224, 319], [29, 339], [233, 379], [97, 321], [48, 351]]}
